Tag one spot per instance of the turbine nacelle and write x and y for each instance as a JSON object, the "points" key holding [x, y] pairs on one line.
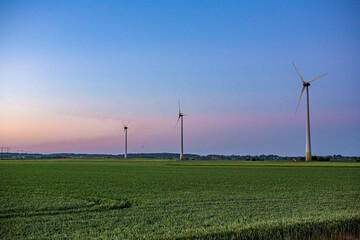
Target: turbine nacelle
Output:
{"points": [[305, 84], [180, 116], [125, 125]]}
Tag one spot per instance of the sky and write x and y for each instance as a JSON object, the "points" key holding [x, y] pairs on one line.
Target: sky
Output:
{"points": [[72, 71]]}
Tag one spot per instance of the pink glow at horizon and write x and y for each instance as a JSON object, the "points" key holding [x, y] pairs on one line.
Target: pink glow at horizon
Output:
{"points": [[38, 131]]}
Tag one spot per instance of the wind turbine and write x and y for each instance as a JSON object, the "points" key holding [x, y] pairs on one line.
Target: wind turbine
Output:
{"points": [[125, 135], [181, 115], [306, 86]]}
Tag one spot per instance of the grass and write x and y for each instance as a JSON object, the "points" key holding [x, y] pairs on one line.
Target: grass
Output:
{"points": [[145, 199]]}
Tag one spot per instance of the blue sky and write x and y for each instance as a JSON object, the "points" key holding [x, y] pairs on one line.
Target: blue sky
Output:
{"points": [[73, 70]]}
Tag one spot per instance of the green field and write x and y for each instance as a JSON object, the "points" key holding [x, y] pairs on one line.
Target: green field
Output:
{"points": [[69, 199]]}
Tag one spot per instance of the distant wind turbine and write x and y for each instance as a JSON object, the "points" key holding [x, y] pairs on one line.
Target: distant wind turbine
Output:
{"points": [[125, 135], [181, 115], [305, 86]]}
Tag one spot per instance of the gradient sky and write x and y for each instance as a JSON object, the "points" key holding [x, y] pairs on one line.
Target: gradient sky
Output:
{"points": [[71, 71]]}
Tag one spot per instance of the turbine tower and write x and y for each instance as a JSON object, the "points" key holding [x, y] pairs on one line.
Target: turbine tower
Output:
{"points": [[125, 138], [306, 86], [181, 115]]}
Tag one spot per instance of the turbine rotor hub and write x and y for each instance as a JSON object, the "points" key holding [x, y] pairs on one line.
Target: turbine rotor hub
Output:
{"points": [[306, 84]]}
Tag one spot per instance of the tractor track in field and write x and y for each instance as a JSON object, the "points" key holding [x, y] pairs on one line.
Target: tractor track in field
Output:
{"points": [[96, 205]]}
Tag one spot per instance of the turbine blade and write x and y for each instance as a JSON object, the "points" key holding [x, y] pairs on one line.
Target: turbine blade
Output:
{"points": [[302, 91], [179, 105], [123, 123], [298, 73], [177, 121], [316, 78]]}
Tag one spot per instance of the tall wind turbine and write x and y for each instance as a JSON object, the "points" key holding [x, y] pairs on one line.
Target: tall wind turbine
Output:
{"points": [[125, 138], [306, 86], [181, 115]]}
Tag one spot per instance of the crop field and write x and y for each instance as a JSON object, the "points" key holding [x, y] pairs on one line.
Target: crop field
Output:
{"points": [[148, 199]]}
